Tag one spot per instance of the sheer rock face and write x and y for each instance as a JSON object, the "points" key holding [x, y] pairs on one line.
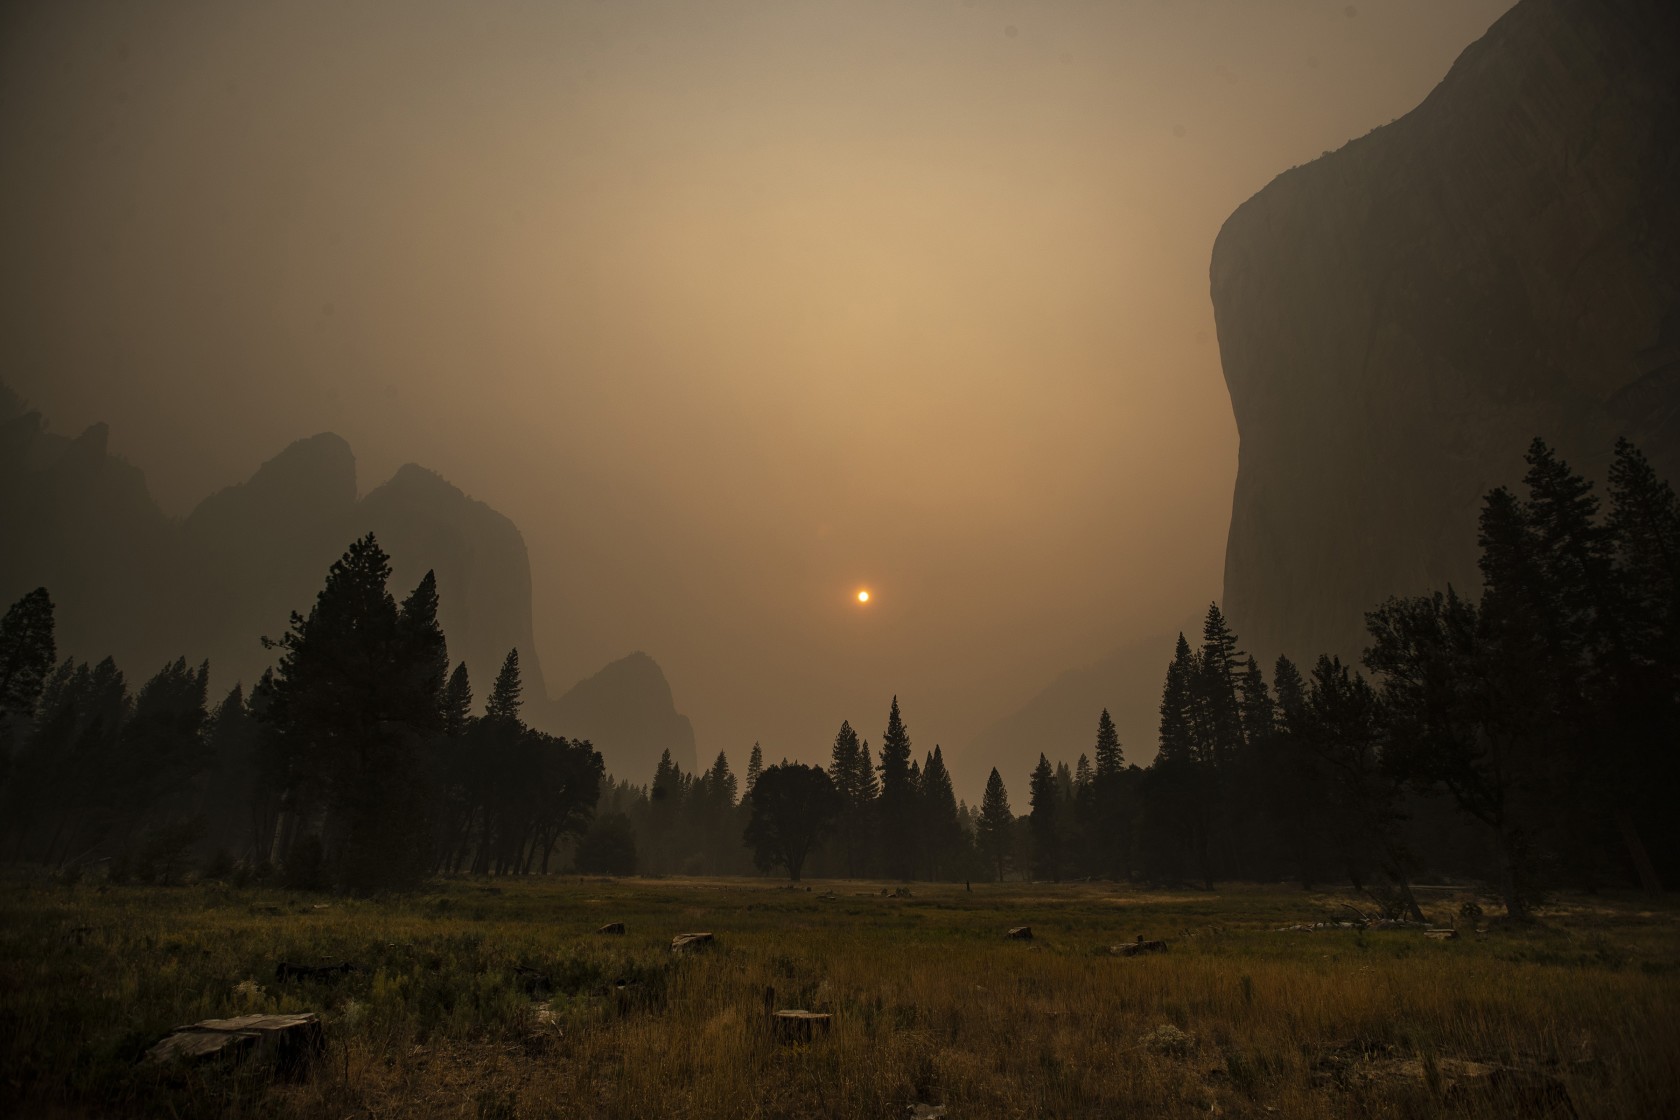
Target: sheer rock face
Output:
{"points": [[483, 570], [627, 711], [254, 552], [1398, 319]]}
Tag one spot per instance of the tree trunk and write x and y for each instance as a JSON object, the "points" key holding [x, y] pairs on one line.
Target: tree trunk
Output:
{"points": [[1649, 881], [1511, 885]]}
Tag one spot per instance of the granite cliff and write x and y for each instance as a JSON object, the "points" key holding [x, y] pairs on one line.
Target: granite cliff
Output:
{"points": [[1399, 318], [628, 712], [131, 582]]}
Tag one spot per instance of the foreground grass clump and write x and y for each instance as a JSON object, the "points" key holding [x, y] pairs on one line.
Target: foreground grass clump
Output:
{"points": [[498, 999]]}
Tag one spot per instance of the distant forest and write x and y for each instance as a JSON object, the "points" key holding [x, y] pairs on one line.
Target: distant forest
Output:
{"points": [[1527, 738]]}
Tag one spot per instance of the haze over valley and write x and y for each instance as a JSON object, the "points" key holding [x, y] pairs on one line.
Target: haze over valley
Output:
{"points": [[731, 309]]}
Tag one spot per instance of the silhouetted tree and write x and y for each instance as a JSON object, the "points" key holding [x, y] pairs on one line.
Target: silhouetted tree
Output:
{"points": [[1046, 822], [1343, 728], [1110, 827], [853, 773], [27, 654], [899, 802], [793, 806], [234, 806], [755, 766], [996, 825], [609, 847], [943, 840], [355, 699], [665, 808]]}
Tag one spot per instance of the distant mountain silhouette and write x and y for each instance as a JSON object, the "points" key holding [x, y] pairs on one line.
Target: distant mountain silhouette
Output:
{"points": [[144, 588], [1061, 720], [1398, 319], [259, 550], [628, 712], [131, 582]]}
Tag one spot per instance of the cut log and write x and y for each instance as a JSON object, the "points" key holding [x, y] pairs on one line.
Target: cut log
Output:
{"points": [[1511, 1091], [612, 928], [1138, 948], [291, 1042], [1441, 934], [688, 942], [1020, 933], [799, 1026], [286, 971]]}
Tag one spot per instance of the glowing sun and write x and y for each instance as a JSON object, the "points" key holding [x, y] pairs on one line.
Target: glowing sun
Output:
{"points": [[863, 596]]}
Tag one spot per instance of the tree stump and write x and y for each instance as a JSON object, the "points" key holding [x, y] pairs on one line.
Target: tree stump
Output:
{"points": [[612, 928], [285, 971], [799, 1026], [1020, 933], [290, 1041], [1138, 948], [688, 942], [1524, 1092]]}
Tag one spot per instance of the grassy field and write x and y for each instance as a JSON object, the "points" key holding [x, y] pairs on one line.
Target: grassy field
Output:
{"points": [[478, 999]]}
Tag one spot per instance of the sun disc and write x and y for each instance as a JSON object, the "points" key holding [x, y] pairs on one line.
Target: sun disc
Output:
{"points": [[863, 596]]}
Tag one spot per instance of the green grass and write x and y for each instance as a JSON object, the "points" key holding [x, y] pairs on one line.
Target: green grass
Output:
{"points": [[499, 1000]]}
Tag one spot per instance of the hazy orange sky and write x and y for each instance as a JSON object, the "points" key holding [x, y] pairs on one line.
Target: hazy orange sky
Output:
{"points": [[734, 307]]}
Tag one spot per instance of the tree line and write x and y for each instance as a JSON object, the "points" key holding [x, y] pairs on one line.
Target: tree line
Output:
{"points": [[356, 762], [1524, 737]]}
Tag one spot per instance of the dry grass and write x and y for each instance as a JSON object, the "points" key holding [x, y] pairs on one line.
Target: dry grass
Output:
{"points": [[482, 1000]]}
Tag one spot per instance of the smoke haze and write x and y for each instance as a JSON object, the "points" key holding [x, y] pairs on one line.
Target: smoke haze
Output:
{"points": [[733, 307]]}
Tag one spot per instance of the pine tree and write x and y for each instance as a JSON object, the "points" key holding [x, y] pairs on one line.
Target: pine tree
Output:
{"points": [[234, 805], [941, 830], [457, 701], [353, 701], [1343, 728], [898, 803], [504, 702], [1111, 760], [996, 827], [1292, 781], [665, 809], [1046, 822], [27, 655], [854, 778], [1214, 689], [755, 766], [1640, 766], [1291, 692], [162, 747], [721, 782], [1644, 526], [425, 654], [1177, 742], [1173, 824], [1110, 824], [1258, 711], [1575, 551]]}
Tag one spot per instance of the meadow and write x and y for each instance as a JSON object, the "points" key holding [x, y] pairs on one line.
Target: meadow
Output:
{"points": [[498, 999]]}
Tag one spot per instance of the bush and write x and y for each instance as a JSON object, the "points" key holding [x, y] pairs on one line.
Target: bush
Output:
{"points": [[219, 866], [305, 868], [609, 847], [160, 856]]}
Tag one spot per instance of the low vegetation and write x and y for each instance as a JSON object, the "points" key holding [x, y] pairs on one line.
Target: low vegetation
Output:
{"points": [[472, 998]]}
